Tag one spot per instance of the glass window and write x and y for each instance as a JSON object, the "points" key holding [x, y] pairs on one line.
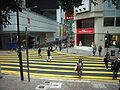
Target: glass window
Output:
{"points": [[109, 13], [117, 21], [87, 23], [109, 21], [118, 13]]}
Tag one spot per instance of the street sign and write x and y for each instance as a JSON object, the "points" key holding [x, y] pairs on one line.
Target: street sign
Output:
{"points": [[69, 21]]}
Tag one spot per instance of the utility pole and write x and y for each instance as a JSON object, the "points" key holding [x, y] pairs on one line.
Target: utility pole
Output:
{"points": [[27, 54], [60, 46], [107, 43], [19, 46]]}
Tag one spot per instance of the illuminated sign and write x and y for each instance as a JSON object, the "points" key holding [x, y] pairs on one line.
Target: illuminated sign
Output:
{"points": [[88, 30], [69, 17], [84, 7]]}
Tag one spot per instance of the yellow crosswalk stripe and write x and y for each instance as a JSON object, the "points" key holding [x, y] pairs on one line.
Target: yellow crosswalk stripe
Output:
{"points": [[101, 72], [93, 66], [40, 65]]}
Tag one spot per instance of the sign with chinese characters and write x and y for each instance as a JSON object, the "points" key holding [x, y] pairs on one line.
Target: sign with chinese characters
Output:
{"points": [[84, 7], [88, 30], [28, 23], [69, 17]]}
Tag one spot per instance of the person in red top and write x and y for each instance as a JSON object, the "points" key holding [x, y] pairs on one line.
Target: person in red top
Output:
{"points": [[79, 67]]}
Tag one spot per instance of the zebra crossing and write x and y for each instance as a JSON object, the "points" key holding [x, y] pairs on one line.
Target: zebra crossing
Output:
{"points": [[60, 67]]}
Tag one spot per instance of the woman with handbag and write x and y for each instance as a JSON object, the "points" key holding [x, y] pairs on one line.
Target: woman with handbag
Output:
{"points": [[79, 67]]}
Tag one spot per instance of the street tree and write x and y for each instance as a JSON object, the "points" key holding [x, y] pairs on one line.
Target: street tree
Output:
{"points": [[68, 5], [7, 7]]}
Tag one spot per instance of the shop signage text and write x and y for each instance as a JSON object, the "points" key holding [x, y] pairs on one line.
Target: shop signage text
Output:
{"points": [[90, 30]]}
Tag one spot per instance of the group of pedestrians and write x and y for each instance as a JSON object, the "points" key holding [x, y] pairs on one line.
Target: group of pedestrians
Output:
{"points": [[115, 65], [49, 57], [94, 47]]}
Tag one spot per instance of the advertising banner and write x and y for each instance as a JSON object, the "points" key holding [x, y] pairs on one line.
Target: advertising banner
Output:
{"points": [[88, 30]]}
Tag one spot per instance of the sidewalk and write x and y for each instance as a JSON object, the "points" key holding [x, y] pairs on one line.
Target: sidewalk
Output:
{"points": [[13, 82], [84, 51]]}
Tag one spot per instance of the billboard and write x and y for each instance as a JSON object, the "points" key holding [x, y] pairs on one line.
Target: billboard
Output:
{"points": [[84, 7]]}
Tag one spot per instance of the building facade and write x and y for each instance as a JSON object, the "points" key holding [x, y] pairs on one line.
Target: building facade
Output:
{"points": [[41, 28], [94, 22]]}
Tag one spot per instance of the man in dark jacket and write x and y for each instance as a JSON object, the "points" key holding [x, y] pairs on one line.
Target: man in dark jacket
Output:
{"points": [[39, 52], [106, 63], [115, 68], [100, 50], [49, 54]]}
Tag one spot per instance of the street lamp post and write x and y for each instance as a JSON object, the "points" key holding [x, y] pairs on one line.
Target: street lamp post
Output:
{"points": [[27, 53], [19, 47], [60, 46]]}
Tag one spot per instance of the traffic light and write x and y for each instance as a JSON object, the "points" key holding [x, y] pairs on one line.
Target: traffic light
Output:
{"points": [[30, 42], [107, 39]]}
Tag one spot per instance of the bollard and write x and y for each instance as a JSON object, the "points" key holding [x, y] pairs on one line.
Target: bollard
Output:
{"points": [[119, 84], [0, 72]]}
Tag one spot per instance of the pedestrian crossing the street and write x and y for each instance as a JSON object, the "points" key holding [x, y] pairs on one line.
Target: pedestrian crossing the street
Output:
{"points": [[60, 67]]}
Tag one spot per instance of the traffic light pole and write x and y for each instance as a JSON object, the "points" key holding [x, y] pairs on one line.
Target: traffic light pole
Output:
{"points": [[19, 47], [27, 54], [60, 46], [107, 43]]}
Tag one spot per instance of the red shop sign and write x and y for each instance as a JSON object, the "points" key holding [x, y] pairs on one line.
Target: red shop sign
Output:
{"points": [[88, 30], [28, 20], [69, 17]]}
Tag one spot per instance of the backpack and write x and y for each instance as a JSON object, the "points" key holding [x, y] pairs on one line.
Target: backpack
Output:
{"points": [[115, 65]]}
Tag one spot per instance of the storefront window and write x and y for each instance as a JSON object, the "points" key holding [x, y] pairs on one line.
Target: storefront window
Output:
{"points": [[109, 21], [114, 41]]}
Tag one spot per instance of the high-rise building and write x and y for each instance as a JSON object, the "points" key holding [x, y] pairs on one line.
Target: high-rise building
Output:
{"points": [[93, 22]]}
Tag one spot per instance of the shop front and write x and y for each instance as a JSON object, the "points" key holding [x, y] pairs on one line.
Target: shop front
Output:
{"points": [[85, 37], [85, 32]]}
